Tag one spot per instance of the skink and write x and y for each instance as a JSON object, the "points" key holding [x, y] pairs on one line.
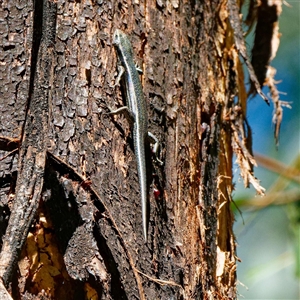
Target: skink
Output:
{"points": [[138, 111]]}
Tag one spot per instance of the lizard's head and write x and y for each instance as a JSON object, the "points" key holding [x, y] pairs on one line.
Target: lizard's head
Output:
{"points": [[117, 37], [121, 41]]}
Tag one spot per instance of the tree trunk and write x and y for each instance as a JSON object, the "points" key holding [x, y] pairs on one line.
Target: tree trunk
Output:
{"points": [[71, 216]]}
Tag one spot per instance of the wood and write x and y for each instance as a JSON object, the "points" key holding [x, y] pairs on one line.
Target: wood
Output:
{"points": [[74, 211], [32, 154]]}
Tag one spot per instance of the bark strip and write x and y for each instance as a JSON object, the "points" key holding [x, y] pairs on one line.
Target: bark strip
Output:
{"points": [[32, 155]]}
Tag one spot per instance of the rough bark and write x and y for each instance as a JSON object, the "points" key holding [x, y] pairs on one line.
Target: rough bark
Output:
{"points": [[32, 153], [76, 199]]}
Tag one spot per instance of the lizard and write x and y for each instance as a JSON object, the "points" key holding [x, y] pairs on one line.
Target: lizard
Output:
{"points": [[137, 111]]}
